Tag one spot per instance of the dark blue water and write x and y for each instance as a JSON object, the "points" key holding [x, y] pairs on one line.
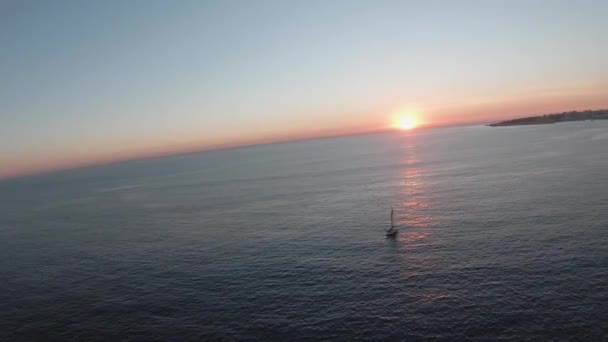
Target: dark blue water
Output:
{"points": [[504, 234]]}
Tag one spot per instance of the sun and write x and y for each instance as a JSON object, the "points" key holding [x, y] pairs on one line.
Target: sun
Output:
{"points": [[406, 122], [406, 119]]}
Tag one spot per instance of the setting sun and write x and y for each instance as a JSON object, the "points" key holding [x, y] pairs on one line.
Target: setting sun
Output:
{"points": [[405, 119], [407, 122]]}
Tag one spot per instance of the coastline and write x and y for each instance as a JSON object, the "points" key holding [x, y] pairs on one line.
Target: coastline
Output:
{"points": [[601, 114]]}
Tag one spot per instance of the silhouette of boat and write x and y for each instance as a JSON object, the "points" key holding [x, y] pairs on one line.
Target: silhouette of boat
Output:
{"points": [[392, 231]]}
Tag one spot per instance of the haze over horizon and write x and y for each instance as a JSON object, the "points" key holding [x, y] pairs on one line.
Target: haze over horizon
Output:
{"points": [[87, 82]]}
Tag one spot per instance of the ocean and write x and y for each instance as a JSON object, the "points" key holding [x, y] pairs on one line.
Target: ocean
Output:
{"points": [[503, 235]]}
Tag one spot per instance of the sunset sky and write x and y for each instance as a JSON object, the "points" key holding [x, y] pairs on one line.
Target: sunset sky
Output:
{"points": [[95, 81]]}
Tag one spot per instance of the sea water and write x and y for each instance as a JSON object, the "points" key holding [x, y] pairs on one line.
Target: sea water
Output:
{"points": [[503, 234]]}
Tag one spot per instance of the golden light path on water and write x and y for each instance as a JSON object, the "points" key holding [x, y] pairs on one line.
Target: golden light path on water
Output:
{"points": [[414, 203], [415, 223]]}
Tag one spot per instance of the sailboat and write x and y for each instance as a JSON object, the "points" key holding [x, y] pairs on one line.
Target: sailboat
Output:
{"points": [[392, 231]]}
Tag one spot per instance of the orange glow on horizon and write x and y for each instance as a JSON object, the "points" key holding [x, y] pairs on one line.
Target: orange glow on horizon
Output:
{"points": [[427, 113], [134, 148]]}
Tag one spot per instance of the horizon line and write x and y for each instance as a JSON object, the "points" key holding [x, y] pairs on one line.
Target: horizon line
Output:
{"points": [[270, 141], [217, 149], [187, 152]]}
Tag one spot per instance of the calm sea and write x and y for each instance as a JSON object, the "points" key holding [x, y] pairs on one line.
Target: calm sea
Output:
{"points": [[503, 234]]}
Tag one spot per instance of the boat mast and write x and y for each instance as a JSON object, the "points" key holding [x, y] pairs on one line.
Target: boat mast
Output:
{"points": [[392, 225]]}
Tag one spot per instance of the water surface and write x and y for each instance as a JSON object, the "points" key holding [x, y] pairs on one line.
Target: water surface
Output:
{"points": [[503, 235]]}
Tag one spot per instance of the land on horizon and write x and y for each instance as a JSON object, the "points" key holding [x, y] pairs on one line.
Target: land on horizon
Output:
{"points": [[600, 114]]}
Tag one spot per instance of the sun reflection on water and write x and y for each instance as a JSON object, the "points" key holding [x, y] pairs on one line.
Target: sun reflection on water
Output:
{"points": [[415, 221], [413, 214]]}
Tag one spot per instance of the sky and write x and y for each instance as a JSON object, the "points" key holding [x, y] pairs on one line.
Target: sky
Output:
{"points": [[95, 81]]}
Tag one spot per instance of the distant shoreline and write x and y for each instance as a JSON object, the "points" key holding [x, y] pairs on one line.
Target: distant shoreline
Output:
{"points": [[601, 114]]}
